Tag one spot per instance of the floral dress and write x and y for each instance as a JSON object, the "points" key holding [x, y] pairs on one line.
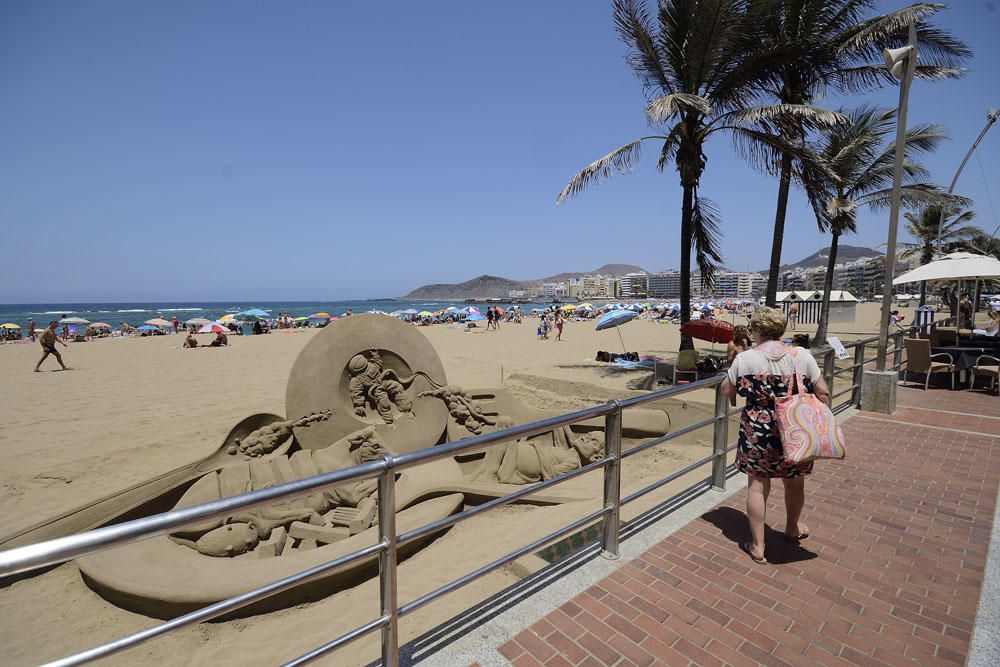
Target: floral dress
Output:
{"points": [[754, 375]]}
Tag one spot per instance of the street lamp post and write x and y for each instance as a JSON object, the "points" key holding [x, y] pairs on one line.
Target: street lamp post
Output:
{"points": [[878, 387], [901, 63]]}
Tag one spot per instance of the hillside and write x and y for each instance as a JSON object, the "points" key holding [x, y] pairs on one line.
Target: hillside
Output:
{"points": [[490, 287], [845, 253]]}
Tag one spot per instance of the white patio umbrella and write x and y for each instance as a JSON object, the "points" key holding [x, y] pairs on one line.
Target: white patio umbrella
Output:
{"points": [[954, 266]]}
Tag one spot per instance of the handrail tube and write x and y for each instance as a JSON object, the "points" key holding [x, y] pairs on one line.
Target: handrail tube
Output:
{"points": [[215, 610], [52, 552], [704, 383], [668, 437], [669, 478], [421, 456], [489, 567], [323, 649], [448, 521], [840, 393]]}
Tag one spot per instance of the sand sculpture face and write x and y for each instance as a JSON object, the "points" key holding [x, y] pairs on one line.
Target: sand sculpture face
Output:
{"points": [[361, 387]]}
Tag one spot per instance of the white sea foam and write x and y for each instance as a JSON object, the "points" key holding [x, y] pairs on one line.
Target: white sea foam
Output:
{"points": [[53, 312], [135, 310], [170, 310]]}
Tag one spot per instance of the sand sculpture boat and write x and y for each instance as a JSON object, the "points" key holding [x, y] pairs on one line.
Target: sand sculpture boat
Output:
{"points": [[362, 386]]}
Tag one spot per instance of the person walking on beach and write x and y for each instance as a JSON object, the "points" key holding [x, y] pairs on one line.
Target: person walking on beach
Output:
{"points": [[176, 324], [489, 318], [793, 316], [496, 318], [559, 325], [759, 375], [31, 330], [48, 339]]}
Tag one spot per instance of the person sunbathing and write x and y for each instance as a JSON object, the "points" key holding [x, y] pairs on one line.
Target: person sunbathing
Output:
{"points": [[992, 329], [190, 341]]}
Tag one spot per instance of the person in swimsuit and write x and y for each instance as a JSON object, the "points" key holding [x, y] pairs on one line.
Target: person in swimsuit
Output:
{"points": [[191, 341], [48, 340], [221, 340], [31, 329]]}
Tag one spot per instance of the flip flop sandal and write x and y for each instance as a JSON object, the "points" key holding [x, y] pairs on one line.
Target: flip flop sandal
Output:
{"points": [[798, 538], [747, 548]]}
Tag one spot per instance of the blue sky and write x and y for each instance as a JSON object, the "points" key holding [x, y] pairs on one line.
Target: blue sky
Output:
{"points": [[350, 149]]}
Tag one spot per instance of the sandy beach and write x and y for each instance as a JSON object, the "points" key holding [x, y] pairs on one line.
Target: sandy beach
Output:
{"points": [[134, 408]]}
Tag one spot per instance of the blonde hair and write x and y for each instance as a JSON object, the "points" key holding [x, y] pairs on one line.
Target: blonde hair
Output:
{"points": [[769, 322]]}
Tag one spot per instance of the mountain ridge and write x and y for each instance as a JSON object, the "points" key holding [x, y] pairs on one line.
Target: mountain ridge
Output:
{"points": [[489, 287]]}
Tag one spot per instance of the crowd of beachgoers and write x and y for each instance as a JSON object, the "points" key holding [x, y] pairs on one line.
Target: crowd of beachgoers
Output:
{"points": [[257, 321]]}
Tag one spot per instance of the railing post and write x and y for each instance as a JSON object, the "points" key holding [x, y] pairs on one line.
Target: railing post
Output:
{"points": [[612, 482], [829, 361], [859, 373], [720, 440], [387, 563], [897, 352]]}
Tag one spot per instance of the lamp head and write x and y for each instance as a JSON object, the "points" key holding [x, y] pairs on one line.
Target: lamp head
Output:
{"points": [[896, 59]]}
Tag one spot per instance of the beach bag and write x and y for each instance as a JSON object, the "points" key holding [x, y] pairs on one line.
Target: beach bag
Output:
{"points": [[807, 426]]}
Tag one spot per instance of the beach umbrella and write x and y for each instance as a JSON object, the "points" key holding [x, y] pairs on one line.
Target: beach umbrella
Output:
{"points": [[953, 266], [470, 310], [147, 327], [74, 320], [255, 312], [568, 306], [586, 304], [424, 313], [320, 316], [301, 319], [156, 322], [213, 327], [500, 311], [450, 309], [10, 325], [227, 318], [100, 325], [475, 317], [198, 321], [409, 311], [713, 331], [615, 319]]}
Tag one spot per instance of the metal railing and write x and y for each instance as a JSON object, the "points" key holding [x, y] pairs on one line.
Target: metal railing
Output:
{"points": [[52, 552]]}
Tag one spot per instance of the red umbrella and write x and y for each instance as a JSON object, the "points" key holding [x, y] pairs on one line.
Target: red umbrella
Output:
{"points": [[713, 331]]}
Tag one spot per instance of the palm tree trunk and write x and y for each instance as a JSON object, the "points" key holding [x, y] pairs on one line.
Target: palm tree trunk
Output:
{"points": [[824, 311], [923, 293], [687, 208], [771, 295]]}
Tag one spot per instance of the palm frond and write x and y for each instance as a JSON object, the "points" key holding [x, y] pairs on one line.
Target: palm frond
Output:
{"points": [[706, 237], [664, 107], [914, 195], [621, 160], [634, 27]]}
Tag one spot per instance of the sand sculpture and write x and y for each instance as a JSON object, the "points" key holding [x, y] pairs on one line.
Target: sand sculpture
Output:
{"points": [[362, 386]]}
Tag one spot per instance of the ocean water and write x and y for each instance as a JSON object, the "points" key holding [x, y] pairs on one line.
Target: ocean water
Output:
{"points": [[137, 313]]}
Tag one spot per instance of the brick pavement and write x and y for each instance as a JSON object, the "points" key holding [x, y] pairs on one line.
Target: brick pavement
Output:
{"points": [[891, 574]]}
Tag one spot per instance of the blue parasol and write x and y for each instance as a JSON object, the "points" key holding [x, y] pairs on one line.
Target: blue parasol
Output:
{"points": [[615, 319]]}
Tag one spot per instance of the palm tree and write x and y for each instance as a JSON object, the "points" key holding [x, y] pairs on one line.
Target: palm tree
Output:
{"points": [[863, 163], [702, 69], [923, 226], [836, 47]]}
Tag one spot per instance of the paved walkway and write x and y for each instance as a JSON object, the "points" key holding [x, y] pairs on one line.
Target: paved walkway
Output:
{"points": [[891, 574]]}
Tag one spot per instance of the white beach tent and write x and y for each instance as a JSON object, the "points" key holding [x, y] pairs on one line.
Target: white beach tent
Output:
{"points": [[954, 266]]}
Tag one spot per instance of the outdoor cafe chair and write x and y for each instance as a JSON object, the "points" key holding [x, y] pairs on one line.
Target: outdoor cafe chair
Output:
{"points": [[920, 360], [990, 370]]}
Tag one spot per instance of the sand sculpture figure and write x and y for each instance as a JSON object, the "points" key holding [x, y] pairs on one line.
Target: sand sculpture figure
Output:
{"points": [[530, 460], [268, 438], [331, 515], [467, 413], [365, 385], [373, 385]]}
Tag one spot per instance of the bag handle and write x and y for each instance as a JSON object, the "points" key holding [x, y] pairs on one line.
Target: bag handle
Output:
{"points": [[797, 382]]}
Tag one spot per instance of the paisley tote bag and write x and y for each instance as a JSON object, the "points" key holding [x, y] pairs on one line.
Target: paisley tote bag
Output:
{"points": [[808, 428]]}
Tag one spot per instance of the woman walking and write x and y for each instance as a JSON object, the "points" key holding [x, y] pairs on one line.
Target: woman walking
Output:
{"points": [[759, 375]]}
